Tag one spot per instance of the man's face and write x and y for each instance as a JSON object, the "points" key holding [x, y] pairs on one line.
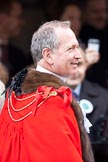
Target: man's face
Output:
{"points": [[96, 13], [65, 58], [79, 76], [16, 20], [73, 14]]}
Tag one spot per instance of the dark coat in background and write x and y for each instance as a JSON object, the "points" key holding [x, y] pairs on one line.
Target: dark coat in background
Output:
{"points": [[98, 96], [14, 58]]}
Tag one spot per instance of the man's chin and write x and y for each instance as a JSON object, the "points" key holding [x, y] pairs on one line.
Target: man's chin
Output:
{"points": [[71, 82], [73, 76]]}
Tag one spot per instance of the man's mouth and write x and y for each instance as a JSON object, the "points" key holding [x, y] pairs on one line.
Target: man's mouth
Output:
{"points": [[74, 64]]}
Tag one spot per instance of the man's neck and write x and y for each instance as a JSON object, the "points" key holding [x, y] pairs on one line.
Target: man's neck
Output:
{"points": [[44, 70]]}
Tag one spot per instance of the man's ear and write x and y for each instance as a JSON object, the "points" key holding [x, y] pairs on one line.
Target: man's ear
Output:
{"points": [[47, 55]]}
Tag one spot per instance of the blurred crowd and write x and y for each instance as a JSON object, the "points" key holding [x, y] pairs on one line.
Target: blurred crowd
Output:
{"points": [[89, 20]]}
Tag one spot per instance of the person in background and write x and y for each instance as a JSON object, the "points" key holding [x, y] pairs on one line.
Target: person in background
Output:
{"points": [[40, 120], [4, 78], [95, 26], [72, 11], [11, 22], [93, 99], [4, 74], [2, 96]]}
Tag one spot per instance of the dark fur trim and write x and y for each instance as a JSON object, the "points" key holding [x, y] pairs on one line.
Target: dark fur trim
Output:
{"points": [[35, 79]]}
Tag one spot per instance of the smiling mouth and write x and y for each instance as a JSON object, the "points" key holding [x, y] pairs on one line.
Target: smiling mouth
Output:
{"points": [[74, 64]]}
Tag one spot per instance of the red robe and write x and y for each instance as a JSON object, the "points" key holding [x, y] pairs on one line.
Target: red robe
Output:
{"points": [[42, 128]]}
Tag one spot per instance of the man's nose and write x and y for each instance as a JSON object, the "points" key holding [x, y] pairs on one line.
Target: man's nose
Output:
{"points": [[78, 54]]}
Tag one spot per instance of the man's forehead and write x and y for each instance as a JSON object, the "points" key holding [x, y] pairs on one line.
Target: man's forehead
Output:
{"points": [[62, 32]]}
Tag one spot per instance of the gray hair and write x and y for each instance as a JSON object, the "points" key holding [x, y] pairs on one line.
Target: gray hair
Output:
{"points": [[46, 37]]}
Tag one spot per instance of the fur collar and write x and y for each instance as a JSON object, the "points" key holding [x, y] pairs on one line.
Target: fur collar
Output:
{"points": [[34, 79]]}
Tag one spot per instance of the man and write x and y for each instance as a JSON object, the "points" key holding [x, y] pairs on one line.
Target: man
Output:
{"points": [[11, 22], [93, 100], [37, 122]]}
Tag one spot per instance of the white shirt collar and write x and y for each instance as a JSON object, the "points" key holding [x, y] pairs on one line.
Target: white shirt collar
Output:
{"points": [[41, 69]]}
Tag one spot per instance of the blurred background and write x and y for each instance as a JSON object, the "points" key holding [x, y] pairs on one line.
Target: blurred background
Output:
{"points": [[89, 19], [36, 12]]}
